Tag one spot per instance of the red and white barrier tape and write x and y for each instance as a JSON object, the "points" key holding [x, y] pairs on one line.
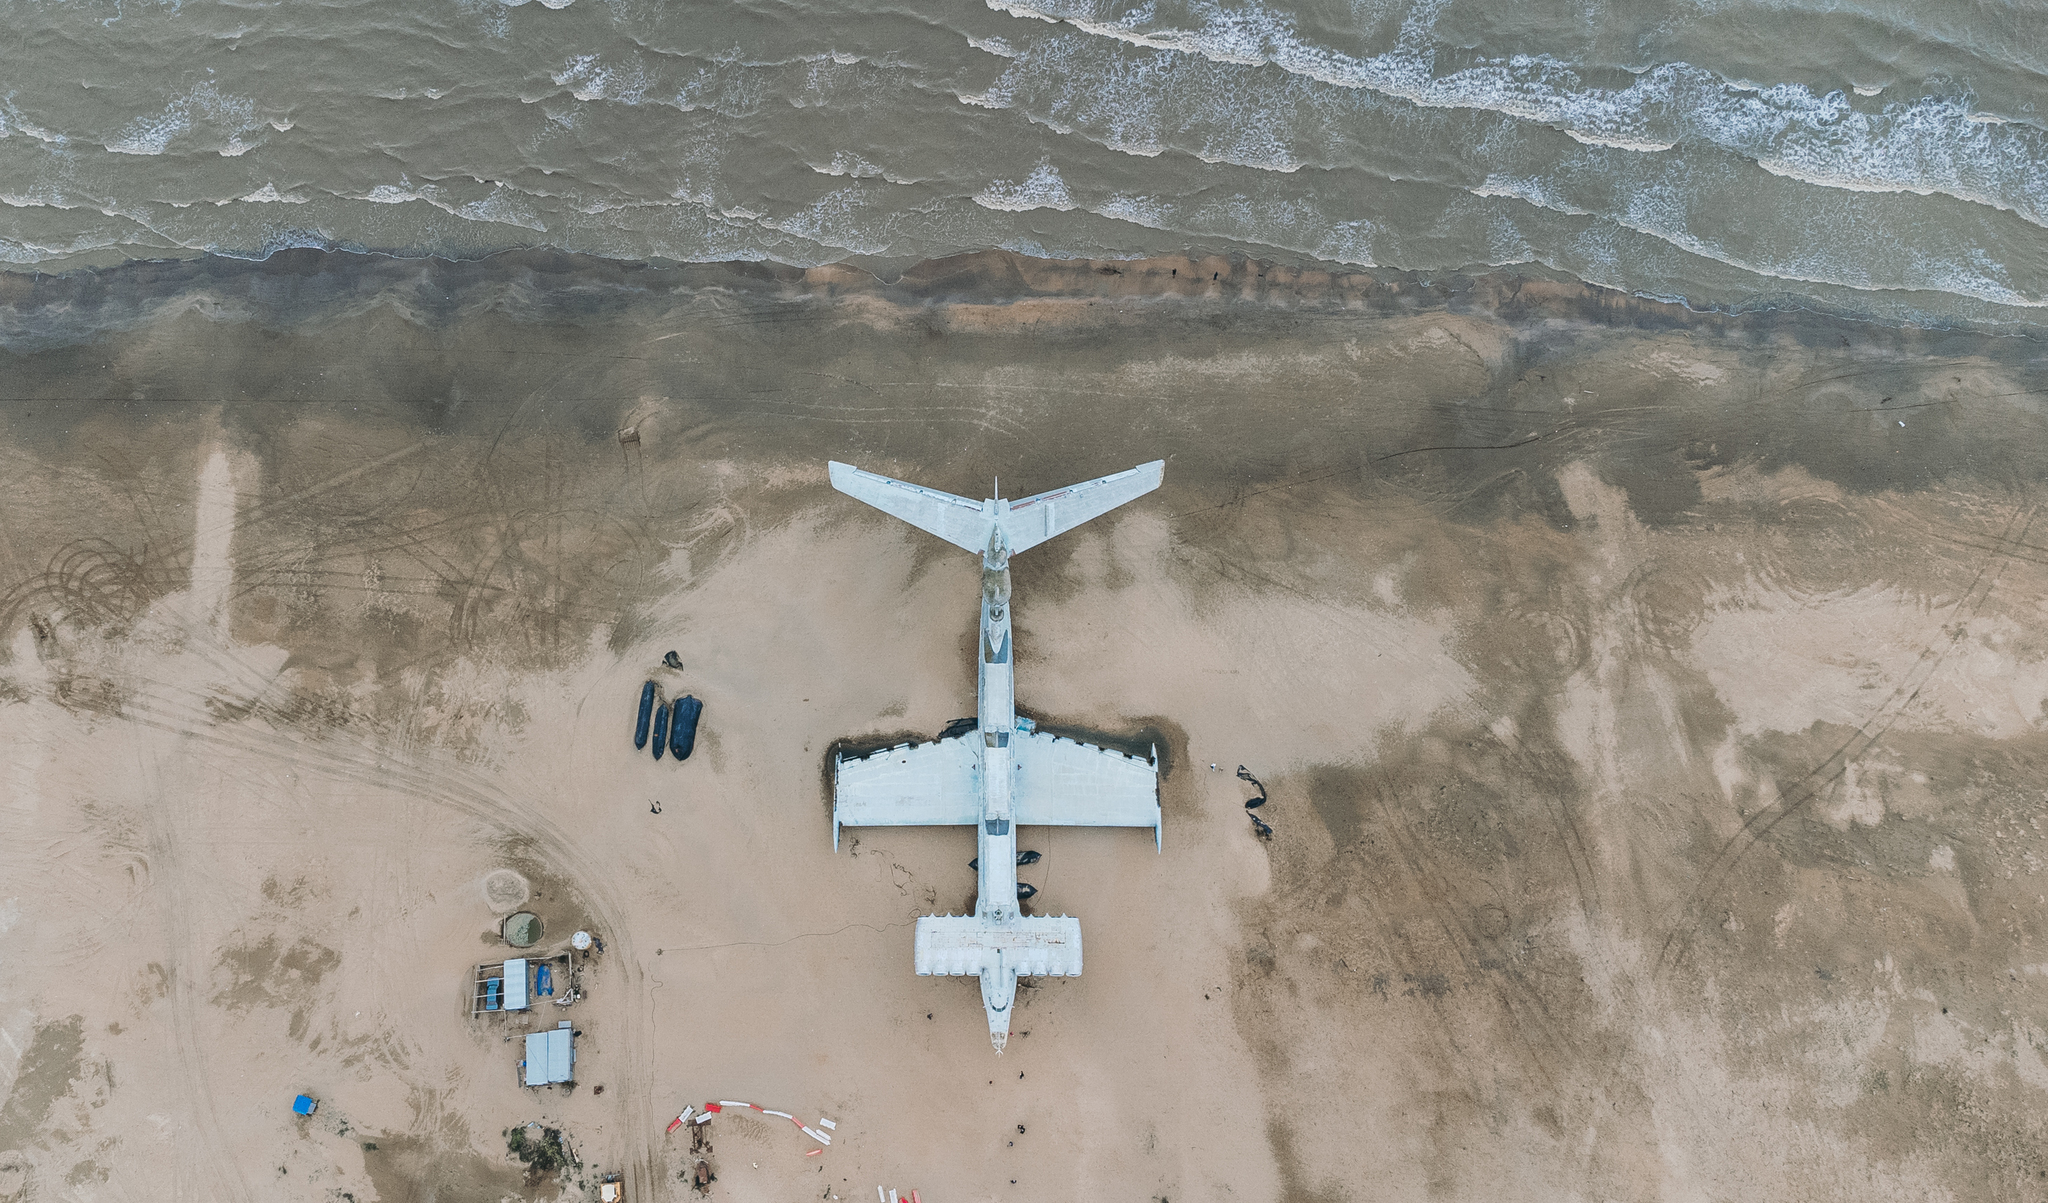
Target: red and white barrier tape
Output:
{"points": [[711, 1109]]}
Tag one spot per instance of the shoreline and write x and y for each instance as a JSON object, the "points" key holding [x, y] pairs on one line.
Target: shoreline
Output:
{"points": [[304, 286]]}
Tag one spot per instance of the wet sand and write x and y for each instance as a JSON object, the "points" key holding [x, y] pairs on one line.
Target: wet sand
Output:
{"points": [[1653, 708]]}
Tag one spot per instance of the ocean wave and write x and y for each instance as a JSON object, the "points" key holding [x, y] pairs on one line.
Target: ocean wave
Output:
{"points": [[847, 163], [1858, 259], [836, 220], [1940, 277], [1934, 142], [1000, 47], [1640, 146], [501, 206], [231, 115], [1292, 225], [12, 122], [1042, 189], [1097, 128], [268, 195], [1141, 101], [726, 86], [588, 77], [27, 253]]}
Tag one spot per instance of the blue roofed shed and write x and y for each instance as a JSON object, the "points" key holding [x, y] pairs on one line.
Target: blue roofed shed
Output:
{"points": [[550, 1056]]}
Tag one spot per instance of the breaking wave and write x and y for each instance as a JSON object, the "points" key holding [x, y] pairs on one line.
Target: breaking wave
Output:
{"points": [[1909, 179]]}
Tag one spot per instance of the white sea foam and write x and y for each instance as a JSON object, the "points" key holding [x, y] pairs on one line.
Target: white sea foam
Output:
{"points": [[150, 135], [836, 220], [1644, 146], [1535, 192], [291, 238], [1137, 104], [43, 197], [29, 251], [1138, 210], [1224, 124], [1930, 142], [502, 205], [1792, 171], [12, 122], [1932, 277], [728, 88], [588, 77], [267, 195], [391, 194], [846, 163], [1042, 189], [1863, 260], [207, 104], [1145, 103], [505, 207], [1000, 47]]}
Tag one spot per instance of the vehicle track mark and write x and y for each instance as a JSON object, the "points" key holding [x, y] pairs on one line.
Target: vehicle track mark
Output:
{"points": [[1677, 942]]}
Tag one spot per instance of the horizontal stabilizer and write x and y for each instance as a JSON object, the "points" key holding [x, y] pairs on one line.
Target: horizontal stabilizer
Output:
{"points": [[1032, 521], [967, 945], [1025, 524], [963, 523]]}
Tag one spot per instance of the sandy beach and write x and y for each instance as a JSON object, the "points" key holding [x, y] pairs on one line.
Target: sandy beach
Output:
{"points": [[1652, 707]]}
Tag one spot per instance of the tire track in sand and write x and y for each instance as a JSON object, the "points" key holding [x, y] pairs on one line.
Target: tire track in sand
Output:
{"points": [[1678, 940]]}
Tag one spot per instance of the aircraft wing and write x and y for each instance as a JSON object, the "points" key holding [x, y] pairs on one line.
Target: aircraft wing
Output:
{"points": [[958, 521], [1061, 782], [910, 785], [1035, 519]]}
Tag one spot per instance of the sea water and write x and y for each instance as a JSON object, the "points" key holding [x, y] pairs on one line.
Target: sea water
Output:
{"points": [[1881, 156]]}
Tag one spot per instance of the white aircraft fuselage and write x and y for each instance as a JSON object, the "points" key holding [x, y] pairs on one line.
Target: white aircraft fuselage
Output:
{"points": [[995, 840]]}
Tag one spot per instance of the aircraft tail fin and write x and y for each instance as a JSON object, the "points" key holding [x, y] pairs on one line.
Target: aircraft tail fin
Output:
{"points": [[969, 524], [998, 951]]}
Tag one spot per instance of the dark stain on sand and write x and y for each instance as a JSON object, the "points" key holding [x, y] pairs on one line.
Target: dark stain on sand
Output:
{"points": [[48, 1067], [271, 973]]}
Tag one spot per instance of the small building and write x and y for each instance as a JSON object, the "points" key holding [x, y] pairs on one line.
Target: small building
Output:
{"points": [[550, 1056]]}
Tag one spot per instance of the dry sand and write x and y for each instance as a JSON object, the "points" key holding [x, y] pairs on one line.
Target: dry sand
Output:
{"points": [[1652, 707]]}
